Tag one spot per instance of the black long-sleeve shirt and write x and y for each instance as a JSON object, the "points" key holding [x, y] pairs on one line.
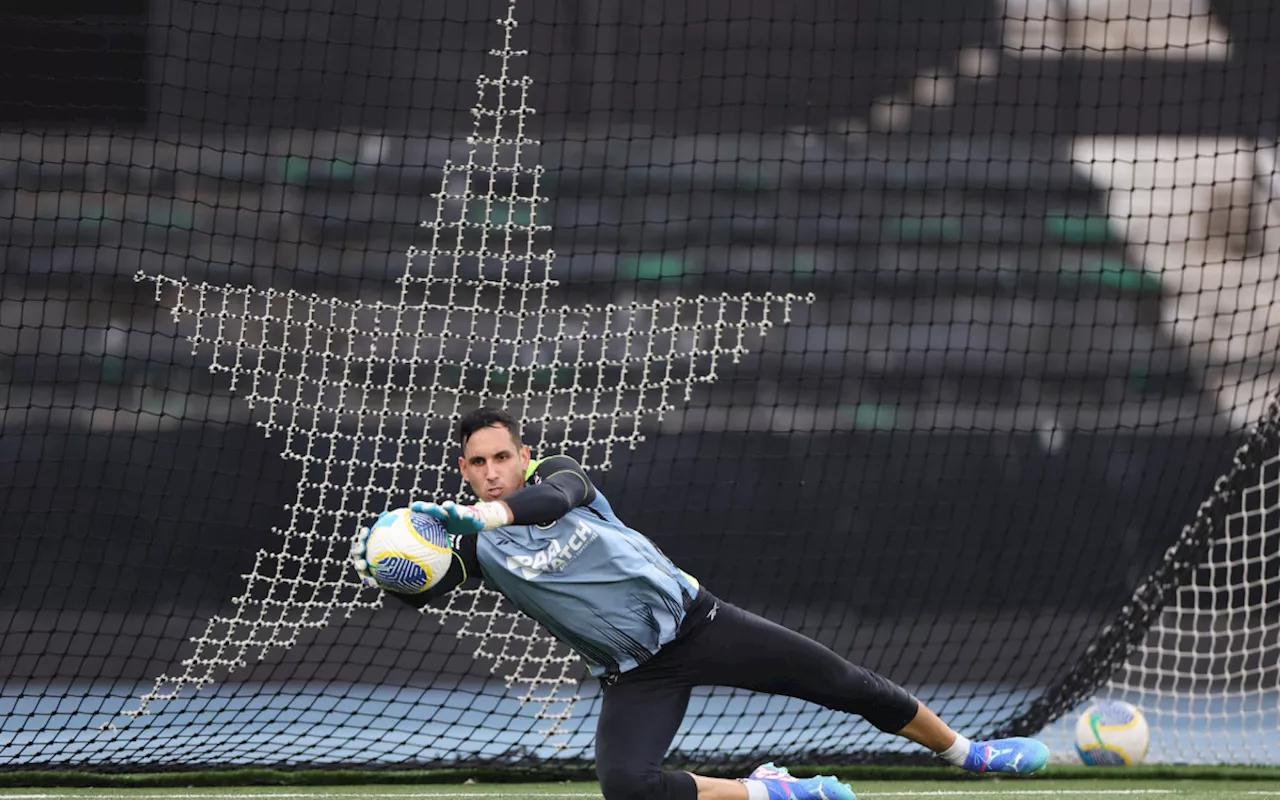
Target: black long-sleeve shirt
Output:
{"points": [[554, 486], [567, 561]]}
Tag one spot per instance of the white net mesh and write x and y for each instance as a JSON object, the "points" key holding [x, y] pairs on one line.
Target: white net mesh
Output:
{"points": [[366, 394], [1208, 674]]}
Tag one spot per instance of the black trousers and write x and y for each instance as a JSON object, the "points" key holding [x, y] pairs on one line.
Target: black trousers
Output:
{"points": [[722, 645]]}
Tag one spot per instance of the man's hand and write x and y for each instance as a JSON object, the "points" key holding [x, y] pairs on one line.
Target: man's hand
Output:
{"points": [[461, 520], [359, 544]]}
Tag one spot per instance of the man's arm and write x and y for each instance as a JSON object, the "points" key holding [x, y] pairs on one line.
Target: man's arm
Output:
{"points": [[562, 486]]}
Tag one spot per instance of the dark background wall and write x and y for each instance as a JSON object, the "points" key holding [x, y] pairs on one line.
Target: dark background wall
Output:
{"points": [[709, 65]]}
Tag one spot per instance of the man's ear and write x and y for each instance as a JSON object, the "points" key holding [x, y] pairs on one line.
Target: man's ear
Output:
{"points": [[462, 467], [525, 457]]}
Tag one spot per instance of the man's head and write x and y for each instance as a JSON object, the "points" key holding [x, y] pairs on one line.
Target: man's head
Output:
{"points": [[493, 459]]}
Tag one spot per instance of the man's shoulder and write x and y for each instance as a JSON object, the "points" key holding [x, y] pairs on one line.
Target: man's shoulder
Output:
{"points": [[543, 468], [566, 471]]}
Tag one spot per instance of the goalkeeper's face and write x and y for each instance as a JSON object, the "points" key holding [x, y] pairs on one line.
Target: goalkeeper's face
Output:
{"points": [[493, 463]]}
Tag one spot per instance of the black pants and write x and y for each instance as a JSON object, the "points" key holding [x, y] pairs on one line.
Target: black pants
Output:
{"points": [[722, 645]]}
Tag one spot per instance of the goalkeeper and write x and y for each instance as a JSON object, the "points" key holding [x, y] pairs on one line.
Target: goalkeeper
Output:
{"points": [[549, 541]]}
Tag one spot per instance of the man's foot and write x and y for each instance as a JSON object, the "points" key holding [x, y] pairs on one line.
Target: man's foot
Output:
{"points": [[1019, 756], [783, 786]]}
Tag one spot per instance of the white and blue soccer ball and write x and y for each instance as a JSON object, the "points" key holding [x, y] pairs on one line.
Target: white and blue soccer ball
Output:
{"points": [[408, 552], [1112, 733]]}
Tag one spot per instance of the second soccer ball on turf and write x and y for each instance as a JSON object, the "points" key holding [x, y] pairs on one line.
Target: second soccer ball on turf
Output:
{"points": [[1112, 733], [408, 552]]}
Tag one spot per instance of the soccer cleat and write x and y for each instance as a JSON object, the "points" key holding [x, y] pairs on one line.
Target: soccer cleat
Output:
{"points": [[1020, 756], [782, 785]]}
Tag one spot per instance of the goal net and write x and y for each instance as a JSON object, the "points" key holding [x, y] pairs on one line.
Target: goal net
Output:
{"points": [[943, 333], [1195, 646]]}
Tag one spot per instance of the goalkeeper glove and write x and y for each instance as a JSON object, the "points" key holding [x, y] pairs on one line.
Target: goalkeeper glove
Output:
{"points": [[459, 520], [359, 544]]}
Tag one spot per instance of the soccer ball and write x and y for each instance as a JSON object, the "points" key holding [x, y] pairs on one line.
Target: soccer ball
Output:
{"points": [[1112, 733], [408, 552]]}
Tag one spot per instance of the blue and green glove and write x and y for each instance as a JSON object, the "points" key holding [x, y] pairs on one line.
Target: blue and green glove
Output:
{"points": [[462, 520], [359, 547]]}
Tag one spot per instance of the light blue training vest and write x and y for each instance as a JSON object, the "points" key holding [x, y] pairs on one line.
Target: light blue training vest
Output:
{"points": [[600, 587]]}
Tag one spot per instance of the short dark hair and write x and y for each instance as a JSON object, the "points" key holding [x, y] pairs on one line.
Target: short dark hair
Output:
{"points": [[484, 417]]}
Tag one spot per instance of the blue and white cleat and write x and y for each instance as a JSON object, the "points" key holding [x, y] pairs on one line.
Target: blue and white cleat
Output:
{"points": [[1017, 756], [782, 785]]}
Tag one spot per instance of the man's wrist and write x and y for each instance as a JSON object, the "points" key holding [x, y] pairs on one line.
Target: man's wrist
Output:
{"points": [[493, 515]]}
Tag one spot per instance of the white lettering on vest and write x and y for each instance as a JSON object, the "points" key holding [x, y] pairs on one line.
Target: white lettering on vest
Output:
{"points": [[555, 557]]}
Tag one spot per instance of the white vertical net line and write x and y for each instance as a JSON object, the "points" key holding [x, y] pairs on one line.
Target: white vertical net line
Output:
{"points": [[365, 395], [1208, 673]]}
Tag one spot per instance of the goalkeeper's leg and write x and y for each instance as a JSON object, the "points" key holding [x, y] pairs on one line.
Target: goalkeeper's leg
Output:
{"points": [[744, 650], [639, 715]]}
